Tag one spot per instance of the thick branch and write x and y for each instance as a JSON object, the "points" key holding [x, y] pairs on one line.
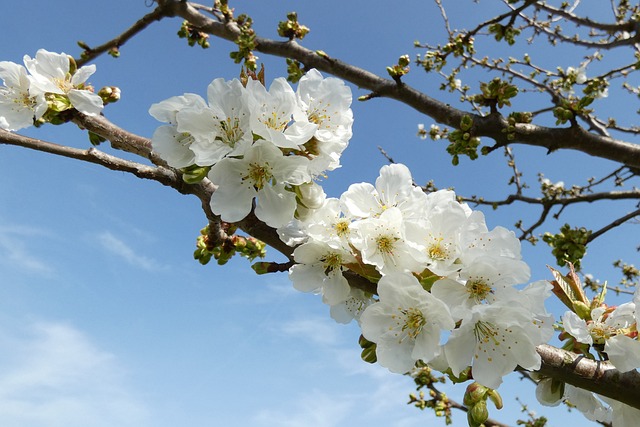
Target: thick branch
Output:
{"points": [[492, 126], [599, 377]]}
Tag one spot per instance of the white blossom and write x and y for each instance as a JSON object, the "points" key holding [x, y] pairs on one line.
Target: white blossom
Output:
{"points": [[326, 103], [394, 188], [174, 147], [276, 115], [18, 106], [319, 270], [351, 308], [406, 323], [51, 74], [263, 172], [220, 128], [494, 339], [382, 243]]}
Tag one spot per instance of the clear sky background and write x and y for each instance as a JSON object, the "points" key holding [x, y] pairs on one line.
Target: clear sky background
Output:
{"points": [[105, 318]]}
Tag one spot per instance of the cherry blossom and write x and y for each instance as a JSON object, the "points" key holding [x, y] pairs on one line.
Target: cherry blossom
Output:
{"points": [[18, 106], [52, 74], [406, 323]]}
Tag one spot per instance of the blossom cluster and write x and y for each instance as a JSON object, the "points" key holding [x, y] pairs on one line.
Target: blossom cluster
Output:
{"points": [[258, 144], [439, 271], [445, 290], [50, 82]]}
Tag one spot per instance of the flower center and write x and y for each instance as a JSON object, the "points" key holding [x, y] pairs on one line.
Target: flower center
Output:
{"points": [[485, 332], [230, 131], [318, 115], [342, 228], [600, 332], [332, 261], [386, 243], [413, 322], [438, 251], [259, 175], [478, 289], [64, 85], [275, 121]]}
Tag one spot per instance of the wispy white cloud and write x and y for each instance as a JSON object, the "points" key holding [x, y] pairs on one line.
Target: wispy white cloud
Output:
{"points": [[121, 249], [19, 246], [316, 330], [52, 375], [314, 408], [357, 394]]}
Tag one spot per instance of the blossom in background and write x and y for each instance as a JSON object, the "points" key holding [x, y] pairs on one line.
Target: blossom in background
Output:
{"points": [[605, 325], [51, 74], [351, 308], [406, 323], [551, 393]]}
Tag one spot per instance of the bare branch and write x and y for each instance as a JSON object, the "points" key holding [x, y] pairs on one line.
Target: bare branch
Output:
{"points": [[614, 224], [91, 53]]}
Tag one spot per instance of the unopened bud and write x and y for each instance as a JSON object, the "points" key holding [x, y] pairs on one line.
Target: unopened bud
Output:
{"points": [[475, 393], [478, 414], [109, 94]]}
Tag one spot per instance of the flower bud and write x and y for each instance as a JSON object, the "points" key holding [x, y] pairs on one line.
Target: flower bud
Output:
{"points": [[475, 393], [478, 414], [109, 94]]}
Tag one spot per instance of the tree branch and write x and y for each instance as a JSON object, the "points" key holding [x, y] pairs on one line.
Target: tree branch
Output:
{"points": [[493, 126], [596, 376], [90, 54]]}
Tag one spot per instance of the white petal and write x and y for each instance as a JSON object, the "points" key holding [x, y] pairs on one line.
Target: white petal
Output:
{"points": [[576, 327], [276, 206], [623, 352], [83, 74], [86, 102]]}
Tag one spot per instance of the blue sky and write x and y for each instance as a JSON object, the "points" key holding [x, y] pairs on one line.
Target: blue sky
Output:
{"points": [[105, 319]]}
